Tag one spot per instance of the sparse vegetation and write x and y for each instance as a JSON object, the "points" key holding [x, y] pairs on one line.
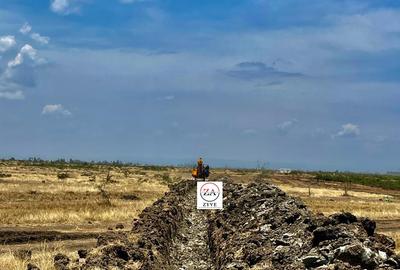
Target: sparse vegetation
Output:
{"points": [[42, 257], [103, 192], [35, 196], [373, 180]]}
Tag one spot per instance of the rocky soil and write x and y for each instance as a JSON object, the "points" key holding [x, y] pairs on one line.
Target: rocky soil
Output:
{"points": [[190, 248], [260, 228], [263, 228]]}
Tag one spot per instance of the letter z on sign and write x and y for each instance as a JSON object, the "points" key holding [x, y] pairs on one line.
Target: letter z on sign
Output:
{"points": [[209, 195]]}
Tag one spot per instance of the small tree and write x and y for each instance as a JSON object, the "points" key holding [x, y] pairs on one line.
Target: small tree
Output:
{"points": [[103, 192], [347, 186]]}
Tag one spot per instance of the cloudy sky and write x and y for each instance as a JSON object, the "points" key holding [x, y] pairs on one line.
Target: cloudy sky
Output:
{"points": [[311, 84]]}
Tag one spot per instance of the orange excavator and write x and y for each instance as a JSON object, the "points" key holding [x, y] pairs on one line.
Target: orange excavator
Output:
{"points": [[201, 171]]}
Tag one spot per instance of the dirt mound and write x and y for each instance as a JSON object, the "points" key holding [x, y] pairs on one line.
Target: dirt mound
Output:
{"points": [[155, 230], [263, 228], [260, 228]]}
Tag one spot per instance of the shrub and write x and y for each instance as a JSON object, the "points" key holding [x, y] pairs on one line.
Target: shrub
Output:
{"points": [[63, 175]]}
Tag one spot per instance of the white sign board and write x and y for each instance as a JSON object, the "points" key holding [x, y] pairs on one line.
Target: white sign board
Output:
{"points": [[209, 195]]}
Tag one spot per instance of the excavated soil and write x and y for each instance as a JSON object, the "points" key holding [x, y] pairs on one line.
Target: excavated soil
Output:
{"points": [[260, 228], [190, 248]]}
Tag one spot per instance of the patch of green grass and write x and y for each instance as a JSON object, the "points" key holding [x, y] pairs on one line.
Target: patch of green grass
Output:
{"points": [[296, 172], [69, 164], [374, 180]]}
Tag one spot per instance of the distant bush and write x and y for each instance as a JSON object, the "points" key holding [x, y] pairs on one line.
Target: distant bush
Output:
{"points": [[74, 163], [375, 180], [106, 197], [154, 168], [63, 175]]}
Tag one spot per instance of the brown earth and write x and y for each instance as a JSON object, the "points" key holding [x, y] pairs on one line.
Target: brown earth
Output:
{"points": [[260, 228], [21, 236]]}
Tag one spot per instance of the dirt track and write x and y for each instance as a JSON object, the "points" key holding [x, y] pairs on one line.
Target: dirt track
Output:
{"points": [[260, 228], [20, 236]]}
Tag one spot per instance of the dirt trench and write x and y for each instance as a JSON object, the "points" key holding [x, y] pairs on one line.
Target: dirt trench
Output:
{"points": [[261, 227], [190, 248]]}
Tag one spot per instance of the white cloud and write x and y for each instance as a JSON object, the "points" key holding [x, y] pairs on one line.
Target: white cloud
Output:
{"points": [[348, 130], [20, 71], [26, 28], [12, 95], [284, 127], [56, 109], [59, 6], [64, 7], [27, 51], [41, 39], [6, 43]]}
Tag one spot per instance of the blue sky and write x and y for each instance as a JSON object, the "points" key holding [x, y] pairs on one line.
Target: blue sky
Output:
{"points": [[312, 84]]}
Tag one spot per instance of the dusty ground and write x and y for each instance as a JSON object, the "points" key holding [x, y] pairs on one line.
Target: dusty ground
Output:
{"points": [[42, 213]]}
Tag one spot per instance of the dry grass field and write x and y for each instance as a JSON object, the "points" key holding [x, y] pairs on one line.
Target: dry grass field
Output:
{"points": [[51, 209], [42, 257], [42, 211]]}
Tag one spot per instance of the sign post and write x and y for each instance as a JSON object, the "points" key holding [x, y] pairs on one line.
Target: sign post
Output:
{"points": [[209, 195]]}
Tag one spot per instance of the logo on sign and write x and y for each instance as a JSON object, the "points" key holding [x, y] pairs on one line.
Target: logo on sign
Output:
{"points": [[209, 195], [209, 192]]}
